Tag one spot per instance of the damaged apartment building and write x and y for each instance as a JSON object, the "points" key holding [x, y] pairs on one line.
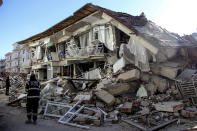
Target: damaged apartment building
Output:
{"points": [[18, 60], [119, 66], [98, 40]]}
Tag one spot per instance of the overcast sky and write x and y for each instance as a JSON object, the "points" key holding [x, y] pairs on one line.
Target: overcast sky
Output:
{"points": [[20, 19]]}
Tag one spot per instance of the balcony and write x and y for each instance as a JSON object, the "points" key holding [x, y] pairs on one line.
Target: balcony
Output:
{"points": [[26, 64], [89, 51], [7, 60]]}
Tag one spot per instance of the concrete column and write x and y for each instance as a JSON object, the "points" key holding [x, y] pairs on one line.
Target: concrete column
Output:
{"points": [[51, 72], [74, 71], [94, 64]]}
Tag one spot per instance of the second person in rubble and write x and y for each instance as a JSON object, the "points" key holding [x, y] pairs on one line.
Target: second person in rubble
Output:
{"points": [[33, 97], [7, 85]]}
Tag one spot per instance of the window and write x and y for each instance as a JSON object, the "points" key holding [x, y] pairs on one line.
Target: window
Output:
{"points": [[84, 39], [95, 35], [99, 33]]}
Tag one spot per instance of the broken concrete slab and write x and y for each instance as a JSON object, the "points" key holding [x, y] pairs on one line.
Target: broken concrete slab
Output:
{"points": [[100, 104], [151, 88], [105, 96], [117, 89], [170, 106], [86, 95], [144, 103], [131, 75], [126, 107], [161, 84], [188, 114], [145, 77], [94, 74], [145, 110], [119, 65], [167, 69]]}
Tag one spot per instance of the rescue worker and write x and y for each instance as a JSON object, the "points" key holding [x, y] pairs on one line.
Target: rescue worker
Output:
{"points": [[33, 97], [7, 85]]}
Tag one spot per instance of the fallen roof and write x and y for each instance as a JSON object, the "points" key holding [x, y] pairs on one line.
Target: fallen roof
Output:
{"points": [[190, 38], [160, 37], [126, 19], [138, 24]]}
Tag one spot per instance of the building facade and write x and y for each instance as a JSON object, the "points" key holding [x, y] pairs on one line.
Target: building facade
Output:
{"points": [[16, 60], [95, 37], [2, 65], [8, 62]]}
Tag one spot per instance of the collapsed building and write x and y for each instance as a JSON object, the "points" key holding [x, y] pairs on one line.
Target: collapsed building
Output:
{"points": [[97, 37], [118, 63]]}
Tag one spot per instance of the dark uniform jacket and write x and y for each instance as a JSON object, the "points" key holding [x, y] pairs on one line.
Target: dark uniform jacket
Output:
{"points": [[33, 89], [7, 81]]}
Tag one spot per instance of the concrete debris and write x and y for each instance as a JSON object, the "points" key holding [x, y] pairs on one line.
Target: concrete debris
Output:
{"points": [[94, 74], [118, 89], [161, 84], [91, 75], [170, 106], [87, 96], [145, 77], [167, 69], [100, 104], [128, 93], [119, 65], [188, 114], [144, 111], [105, 96], [151, 88], [144, 103], [131, 75], [126, 107]]}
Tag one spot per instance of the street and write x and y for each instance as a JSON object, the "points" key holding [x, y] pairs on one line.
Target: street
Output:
{"points": [[13, 119]]}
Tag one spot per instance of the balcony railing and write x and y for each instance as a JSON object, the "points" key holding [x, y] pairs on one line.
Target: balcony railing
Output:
{"points": [[84, 52]]}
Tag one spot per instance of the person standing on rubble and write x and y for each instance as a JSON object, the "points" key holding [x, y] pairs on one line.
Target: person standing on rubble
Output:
{"points": [[33, 97], [7, 85]]}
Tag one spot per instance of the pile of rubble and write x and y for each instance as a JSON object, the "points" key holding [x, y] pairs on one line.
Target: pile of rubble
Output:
{"points": [[17, 89], [145, 100]]}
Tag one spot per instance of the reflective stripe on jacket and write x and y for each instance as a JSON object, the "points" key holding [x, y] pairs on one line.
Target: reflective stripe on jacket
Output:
{"points": [[33, 89]]}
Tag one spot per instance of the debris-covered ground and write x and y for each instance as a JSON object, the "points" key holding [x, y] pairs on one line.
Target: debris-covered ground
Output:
{"points": [[130, 99], [9, 121]]}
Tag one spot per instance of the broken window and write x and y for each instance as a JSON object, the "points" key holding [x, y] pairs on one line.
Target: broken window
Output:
{"points": [[62, 50], [124, 38], [95, 33], [109, 37], [50, 52], [84, 40], [99, 33], [72, 49]]}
